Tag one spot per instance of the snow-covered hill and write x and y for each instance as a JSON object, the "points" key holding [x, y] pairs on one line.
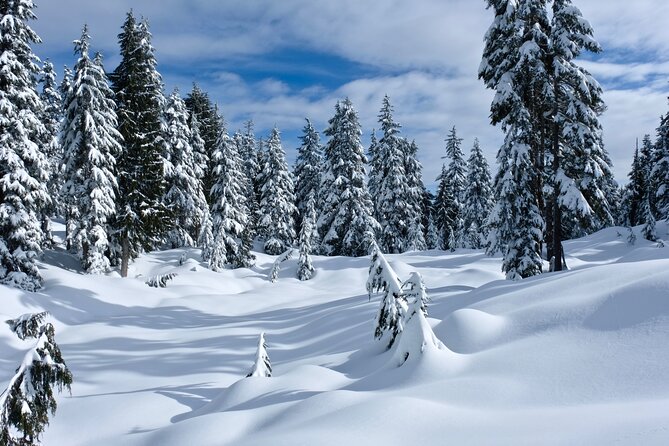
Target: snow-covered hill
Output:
{"points": [[578, 357]]}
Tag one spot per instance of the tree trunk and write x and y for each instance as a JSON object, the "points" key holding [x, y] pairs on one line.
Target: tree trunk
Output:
{"points": [[125, 254], [557, 212]]}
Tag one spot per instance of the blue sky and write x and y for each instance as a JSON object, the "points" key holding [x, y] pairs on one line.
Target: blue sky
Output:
{"points": [[280, 61]]}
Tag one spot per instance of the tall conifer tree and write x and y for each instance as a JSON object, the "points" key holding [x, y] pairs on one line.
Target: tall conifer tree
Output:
{"points": [[142, 222], [23, 166], [346, 223]]}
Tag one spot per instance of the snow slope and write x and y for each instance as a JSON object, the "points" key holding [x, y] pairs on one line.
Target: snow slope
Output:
{"points": [[578, 357]]}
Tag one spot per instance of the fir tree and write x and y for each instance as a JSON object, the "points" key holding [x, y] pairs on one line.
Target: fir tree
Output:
{"points": [[262, 367], [414, 288], [200, 164], [478, 199], [635, 190], [23, 166], [308, 168], [90, 142], [229, 212], [142, 219], [246, 145], [452, 206], [29, 399], [345, 223], [201, 107], [392, 193], [416, 199], [52, 114], [185, 197], [277, 199], [305, 269], [393, 306]]}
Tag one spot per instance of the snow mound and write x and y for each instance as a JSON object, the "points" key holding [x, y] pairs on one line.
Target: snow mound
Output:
{"points": [[469, 330]]}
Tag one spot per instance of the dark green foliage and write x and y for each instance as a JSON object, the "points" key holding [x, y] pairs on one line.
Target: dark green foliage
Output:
{"points": [[142, 219], [29, 399]]}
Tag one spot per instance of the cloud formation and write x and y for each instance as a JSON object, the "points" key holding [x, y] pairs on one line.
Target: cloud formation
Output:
{"points": [[279, 61]]}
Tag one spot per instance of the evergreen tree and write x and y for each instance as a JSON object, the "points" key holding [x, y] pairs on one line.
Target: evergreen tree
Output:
{"points": [[262, 366], [29, 399], [277, 199], [635, 190], [52, 114], [305, 269], [201, 107], [393, 306], [246, 145], [478, 199], [185, 197], [416, 200], [392, 193], [660, 169], [414, 287], [346, 224], [142, 219], [200, 162], [90, 142], [229, 211], [308, 168], [23, 166]]}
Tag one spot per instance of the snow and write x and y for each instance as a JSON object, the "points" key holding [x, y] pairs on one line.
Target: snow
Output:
{"points": [[577, 357]]}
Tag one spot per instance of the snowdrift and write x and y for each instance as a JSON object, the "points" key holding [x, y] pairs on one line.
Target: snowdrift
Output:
{"points": [[577, 357]]}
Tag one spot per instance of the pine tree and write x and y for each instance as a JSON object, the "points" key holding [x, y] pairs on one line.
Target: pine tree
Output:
{"points": [[478, 199], [392, 193], [202, 219], [142, 219], [420, 209], [635, 190], [90, 142], [246, 145], [277, 199], [201, 107], [393, 306], [660, 169], [229, 212], [52, 114], [262, 367], [307, 170], [453, 206], [29, 399], [305, 269], [23, 166], [185, 197], [346, 224], [414, 288]]}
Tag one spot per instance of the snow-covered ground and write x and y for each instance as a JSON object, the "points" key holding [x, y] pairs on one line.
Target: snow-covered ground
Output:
{"points": [[578, 358]]}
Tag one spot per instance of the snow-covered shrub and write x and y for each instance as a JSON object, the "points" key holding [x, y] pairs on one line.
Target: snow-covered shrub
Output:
{"points": [[414, 288], [393, 304], [262, 366], [28, 401], [276, 267], [417, 336], [160, 280]]}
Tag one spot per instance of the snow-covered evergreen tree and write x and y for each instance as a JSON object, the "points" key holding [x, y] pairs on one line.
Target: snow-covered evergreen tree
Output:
{"points": [[420, 209], [90, 143], [52, 114], [450, 196], [201, 107], [392, 309], [308, 169], [478, 199], [29, 399], [393, 211], [184, 197], [346, 223], [23, 166], [414, 288], [308, 235], [262, 367], [229, 212], [246, 145], [277, 199], [142, 219]]}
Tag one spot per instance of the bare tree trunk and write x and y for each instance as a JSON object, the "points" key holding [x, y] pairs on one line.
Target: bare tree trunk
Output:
{"points": [[125, 254]]}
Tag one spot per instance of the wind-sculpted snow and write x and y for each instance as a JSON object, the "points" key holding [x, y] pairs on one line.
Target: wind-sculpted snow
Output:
{"points": [[577, 357]]}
